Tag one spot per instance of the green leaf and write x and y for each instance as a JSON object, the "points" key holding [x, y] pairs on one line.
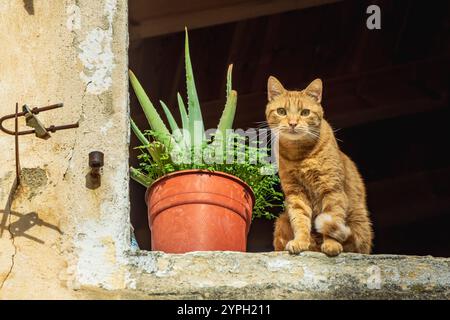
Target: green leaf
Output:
{"points": [[229, 82], [183, 113], [138, 176], [172, 123], [227, 118], [154, 120], [139, 133], [196, 127], [184, 120], [176, 132]]}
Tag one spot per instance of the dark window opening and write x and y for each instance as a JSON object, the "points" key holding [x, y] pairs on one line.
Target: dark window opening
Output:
{"points": [[386, 90]]}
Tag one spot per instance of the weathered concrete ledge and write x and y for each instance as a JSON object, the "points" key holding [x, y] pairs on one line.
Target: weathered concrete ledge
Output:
{"points": [[278, 275]]}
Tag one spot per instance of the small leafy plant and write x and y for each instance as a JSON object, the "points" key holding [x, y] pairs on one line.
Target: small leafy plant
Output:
{"points": [[190, 147]]}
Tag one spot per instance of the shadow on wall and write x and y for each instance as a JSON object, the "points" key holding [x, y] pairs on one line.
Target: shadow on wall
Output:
{"points": [[25, 222]]}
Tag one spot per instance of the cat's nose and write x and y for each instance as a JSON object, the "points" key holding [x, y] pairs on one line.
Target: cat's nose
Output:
{"points": [[292, 124]]}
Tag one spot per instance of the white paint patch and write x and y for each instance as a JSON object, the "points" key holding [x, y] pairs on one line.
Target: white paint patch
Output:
{"points": [[321, 220], [100, 262], [93, 267], [74, 17], [97, 56], [110, 9]]}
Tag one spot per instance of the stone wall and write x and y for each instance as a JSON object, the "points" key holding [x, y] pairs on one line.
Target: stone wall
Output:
{"points": [[60, 234]]}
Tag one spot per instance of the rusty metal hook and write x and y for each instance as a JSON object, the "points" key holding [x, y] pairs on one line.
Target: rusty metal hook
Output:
{"points": [[33, 121]]}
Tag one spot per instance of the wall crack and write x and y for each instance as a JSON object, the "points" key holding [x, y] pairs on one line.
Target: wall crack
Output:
{"points": [[8, 212], [13, 256]]}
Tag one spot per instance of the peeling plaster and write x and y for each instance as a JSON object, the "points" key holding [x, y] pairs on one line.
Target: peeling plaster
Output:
{"points": [[96, 54], [100, 257], [74, 17], [94, 266]]}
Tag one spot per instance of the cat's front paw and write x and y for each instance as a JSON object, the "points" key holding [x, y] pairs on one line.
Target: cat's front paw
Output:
{"points": [[297, 246], [331, 248]]}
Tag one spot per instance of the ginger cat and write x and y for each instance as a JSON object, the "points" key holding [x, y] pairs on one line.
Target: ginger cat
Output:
{"points": [[322, 186]]}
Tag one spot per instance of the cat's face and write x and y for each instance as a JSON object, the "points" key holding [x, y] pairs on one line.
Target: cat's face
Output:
{"points": [[294, 115]]}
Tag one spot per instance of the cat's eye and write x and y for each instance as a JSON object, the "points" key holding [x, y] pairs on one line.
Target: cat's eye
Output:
{"points": [[281, 111], [305, 112]]}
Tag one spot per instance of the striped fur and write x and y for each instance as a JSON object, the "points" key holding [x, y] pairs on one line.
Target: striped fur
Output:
{"points": [[324, 192]]}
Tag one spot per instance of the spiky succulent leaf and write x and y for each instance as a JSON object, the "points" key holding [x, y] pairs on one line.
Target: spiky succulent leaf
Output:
{"points": [[229, 82], [196, 127], [154, 120], [139, 133], [227, 118], [176, 132], [172, 123], [184, 121], [183, 113]]}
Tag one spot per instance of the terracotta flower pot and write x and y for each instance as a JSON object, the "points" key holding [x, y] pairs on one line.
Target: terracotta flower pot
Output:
{"points": [[197, 210]]}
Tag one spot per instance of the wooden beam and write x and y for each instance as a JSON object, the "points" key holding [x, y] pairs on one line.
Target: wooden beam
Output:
{"points": [[173, 21]]}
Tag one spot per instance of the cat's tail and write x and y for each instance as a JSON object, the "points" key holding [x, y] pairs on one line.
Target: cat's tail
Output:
{"points": [[361, 237], [333, 227], [283, 232]]}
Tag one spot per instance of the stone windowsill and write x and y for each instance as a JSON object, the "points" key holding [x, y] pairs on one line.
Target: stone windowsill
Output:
{"points": [[278, 275]]}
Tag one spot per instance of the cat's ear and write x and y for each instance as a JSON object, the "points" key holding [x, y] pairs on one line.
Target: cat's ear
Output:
{"points": [[274, 88], [314, 90]]}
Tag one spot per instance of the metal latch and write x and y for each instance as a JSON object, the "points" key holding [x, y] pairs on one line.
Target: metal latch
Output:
{"points": [[32, 121]]}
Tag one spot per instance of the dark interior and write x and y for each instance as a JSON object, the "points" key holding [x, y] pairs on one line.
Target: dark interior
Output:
{"points": [[387, 91]]}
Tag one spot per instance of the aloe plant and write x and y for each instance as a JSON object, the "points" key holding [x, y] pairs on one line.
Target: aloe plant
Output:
{"points": [[158, 143], [191, 119]]}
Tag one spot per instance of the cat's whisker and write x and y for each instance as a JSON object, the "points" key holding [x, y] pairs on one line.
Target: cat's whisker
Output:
{"points": [[315, 135]]}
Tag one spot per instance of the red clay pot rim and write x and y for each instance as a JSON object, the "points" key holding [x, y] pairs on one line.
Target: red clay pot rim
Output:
{"points": [[201, 171]]}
